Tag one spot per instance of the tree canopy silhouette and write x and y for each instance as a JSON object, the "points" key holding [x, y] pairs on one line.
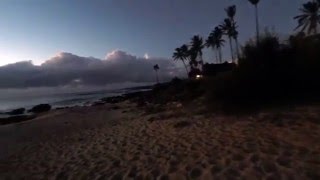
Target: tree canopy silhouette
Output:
{"points": [[196, 49], [228, 29], [231, 12], [215, 41], [182, 54], [309, 18]]}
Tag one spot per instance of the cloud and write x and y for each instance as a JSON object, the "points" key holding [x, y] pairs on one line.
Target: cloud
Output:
{"points": [[66, 69]]}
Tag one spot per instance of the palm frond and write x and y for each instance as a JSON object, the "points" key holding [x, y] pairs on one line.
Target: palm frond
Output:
{"points": [[309, 18]]}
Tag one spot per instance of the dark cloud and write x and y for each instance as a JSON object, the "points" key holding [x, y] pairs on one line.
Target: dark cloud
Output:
{"points": [[68, 69]]}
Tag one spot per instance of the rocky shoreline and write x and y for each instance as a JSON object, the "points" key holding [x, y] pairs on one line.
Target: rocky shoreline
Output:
{"points": [[23, 114]]}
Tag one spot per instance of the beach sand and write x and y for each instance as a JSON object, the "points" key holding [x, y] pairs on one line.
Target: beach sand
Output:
{"points": [[124, 141]]}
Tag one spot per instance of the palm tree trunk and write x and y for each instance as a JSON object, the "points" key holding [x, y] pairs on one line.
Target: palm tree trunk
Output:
{"points": [[184, 63], [237, 48], [201, 61], [257, 22], [216, 53], [220, 55], [157, 78], [231, 48]]}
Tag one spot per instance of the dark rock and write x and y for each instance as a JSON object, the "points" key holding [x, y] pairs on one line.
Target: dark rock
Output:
{"points": [[16, 111], [98, 103], [16, 119], [61, 108], [40, 108], [113, 100]]}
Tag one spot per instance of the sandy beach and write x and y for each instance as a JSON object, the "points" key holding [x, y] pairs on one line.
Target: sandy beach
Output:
{"points": [[123, 141]]}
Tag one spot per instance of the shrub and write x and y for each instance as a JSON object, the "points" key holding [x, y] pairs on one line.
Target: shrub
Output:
{"points": [[271, 72]]}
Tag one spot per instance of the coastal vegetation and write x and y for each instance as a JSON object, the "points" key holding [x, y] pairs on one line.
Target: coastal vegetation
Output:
{"points": [[266, 69]]}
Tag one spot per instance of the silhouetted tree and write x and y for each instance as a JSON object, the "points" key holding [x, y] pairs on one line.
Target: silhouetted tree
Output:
{"points": [[193, 59], [255, 3], [231, 12], [185, 50], [156, 69], [228, 29], [211, 42], [180, 54], [196, 49], [309, 18], [234, 35], [215, 41]]}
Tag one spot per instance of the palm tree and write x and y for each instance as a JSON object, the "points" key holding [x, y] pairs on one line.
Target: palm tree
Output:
{"points": [[156, 69], [211, 42], [234, 35], [255, 3], [185, 50], [180, 54], [193, 59], [196, 48], [309, 18], [228, 29], [231, 12], [215, 41]]}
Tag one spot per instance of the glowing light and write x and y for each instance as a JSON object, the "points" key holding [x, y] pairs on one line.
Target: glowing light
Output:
{"points": [[198, 76], [146, 56]]}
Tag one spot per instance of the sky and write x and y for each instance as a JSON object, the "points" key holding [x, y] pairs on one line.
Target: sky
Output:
{"points": [[42, 30]]}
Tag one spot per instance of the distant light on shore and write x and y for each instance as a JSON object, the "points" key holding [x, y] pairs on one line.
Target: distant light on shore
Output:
{"points": [[198, 76]]}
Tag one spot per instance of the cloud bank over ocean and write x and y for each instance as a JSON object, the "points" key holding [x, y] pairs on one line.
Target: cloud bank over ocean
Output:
{"points": [[66, 69]]}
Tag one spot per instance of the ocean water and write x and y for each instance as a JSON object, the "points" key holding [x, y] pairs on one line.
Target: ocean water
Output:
{"points": [[27, 99]]}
